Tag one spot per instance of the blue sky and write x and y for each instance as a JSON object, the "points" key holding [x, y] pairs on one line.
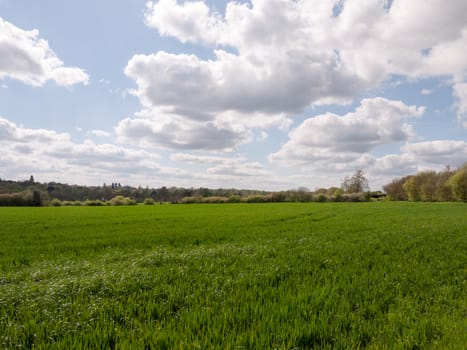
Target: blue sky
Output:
{"points": [[260, 94]]}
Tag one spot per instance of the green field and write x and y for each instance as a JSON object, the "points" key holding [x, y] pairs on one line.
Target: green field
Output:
{"points": [[235, 276]]}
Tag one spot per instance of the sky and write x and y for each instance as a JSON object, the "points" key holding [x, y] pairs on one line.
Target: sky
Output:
{"points": [[259, 94]]}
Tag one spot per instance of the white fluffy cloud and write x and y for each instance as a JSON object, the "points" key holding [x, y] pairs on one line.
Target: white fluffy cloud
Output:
{"points": [[24, 56], [10, 132], [273, 58], [346, 139], [43, 151], [176, 132], [338, 145], [167, 128], [440, 152], [291, 54]]}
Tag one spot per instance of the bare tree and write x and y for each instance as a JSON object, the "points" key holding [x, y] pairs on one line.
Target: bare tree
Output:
{"points": [[355, 184]]}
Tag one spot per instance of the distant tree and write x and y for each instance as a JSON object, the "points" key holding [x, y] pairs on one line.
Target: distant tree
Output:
{"points": [[395, 189], [162, 194], [36, 199], [443, 188], [204, 192], [428, 183], [458, 183], [332, 191], [50, 189], [429, 186], [355, 184], [412, 188]]}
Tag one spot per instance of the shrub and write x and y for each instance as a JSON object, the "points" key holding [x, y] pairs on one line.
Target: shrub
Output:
{"points": [[258, 198], [20, 199], [56, 202], [190, 200], [322, 198], [234, 199], [95, 203], [149, 201], [214, 199], [120, 200]]}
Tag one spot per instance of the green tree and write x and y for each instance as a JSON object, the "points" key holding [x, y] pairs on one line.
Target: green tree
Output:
{"points": [[412, 188], [395, 189], [36, 199], [458, 183], [443, 188], [428, 185]]}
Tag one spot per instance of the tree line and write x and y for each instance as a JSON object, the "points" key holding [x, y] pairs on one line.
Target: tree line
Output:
{"points": [[430, 186], [446, 185], [32, 193]]}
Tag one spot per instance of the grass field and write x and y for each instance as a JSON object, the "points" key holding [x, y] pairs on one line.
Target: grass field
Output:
{"points": [[235, 276]]}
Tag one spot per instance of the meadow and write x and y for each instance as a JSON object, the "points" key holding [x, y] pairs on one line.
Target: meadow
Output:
{"points": [[235, 276]]}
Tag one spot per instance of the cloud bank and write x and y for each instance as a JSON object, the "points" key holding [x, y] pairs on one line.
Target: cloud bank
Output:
{"points": [[24, 56]]}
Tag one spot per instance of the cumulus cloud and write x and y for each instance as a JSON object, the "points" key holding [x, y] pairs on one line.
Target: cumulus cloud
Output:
{"points": [[172, 131], [26, 150], [190, 22], [10, 132], [24, 56], [292, 54], [347, 139], [441, 152], [53, 156], [170, 128], [273, 58], [393, 165]]}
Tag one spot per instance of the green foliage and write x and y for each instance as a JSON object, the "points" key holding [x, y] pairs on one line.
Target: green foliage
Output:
{"points": [[395, 189], [149, 201], [234, 199], [430, 186], [56, 202], [21, 199], [94, 203], [367, 275], [120, 200], [322, 198], [191, 200], [458, 183], [36, 198], [257, 199]]}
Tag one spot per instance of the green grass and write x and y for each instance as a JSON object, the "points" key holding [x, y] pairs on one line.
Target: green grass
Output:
{"points": [[235, 276]]}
